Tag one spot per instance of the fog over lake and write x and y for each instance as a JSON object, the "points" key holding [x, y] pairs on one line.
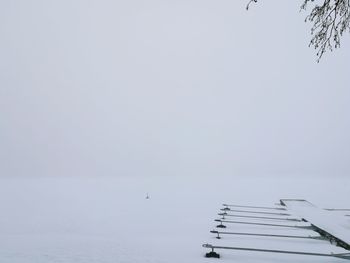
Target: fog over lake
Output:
{"points": [[139, 88]]}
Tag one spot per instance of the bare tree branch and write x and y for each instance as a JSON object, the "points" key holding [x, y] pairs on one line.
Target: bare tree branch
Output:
{"points": [[250, 1], [330, 20]]}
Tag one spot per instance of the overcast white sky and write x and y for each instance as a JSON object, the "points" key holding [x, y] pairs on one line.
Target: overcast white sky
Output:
{"points": [[181, 87]]}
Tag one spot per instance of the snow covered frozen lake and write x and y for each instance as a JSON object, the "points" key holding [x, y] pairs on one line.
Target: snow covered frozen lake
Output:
{"points": [[196, 103], [108, 219]]}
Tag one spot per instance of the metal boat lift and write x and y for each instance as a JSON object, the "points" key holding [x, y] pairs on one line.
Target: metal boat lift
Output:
{"points": [[302, 214]]}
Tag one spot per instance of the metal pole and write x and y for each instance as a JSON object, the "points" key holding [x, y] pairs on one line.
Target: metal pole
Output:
{"points": [[266, 235], [336, 209], [262, 217], [260, 207], [340, 255], [254, 212], [262, 224]]}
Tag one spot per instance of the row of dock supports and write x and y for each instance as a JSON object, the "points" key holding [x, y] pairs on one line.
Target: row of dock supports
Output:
{"points": [[266, 217]]}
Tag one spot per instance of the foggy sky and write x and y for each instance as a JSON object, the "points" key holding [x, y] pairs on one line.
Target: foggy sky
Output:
{"points": [[181, 87]]}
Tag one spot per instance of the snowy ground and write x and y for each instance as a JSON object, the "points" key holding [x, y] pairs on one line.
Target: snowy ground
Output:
{"points": [[108, 219]]}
